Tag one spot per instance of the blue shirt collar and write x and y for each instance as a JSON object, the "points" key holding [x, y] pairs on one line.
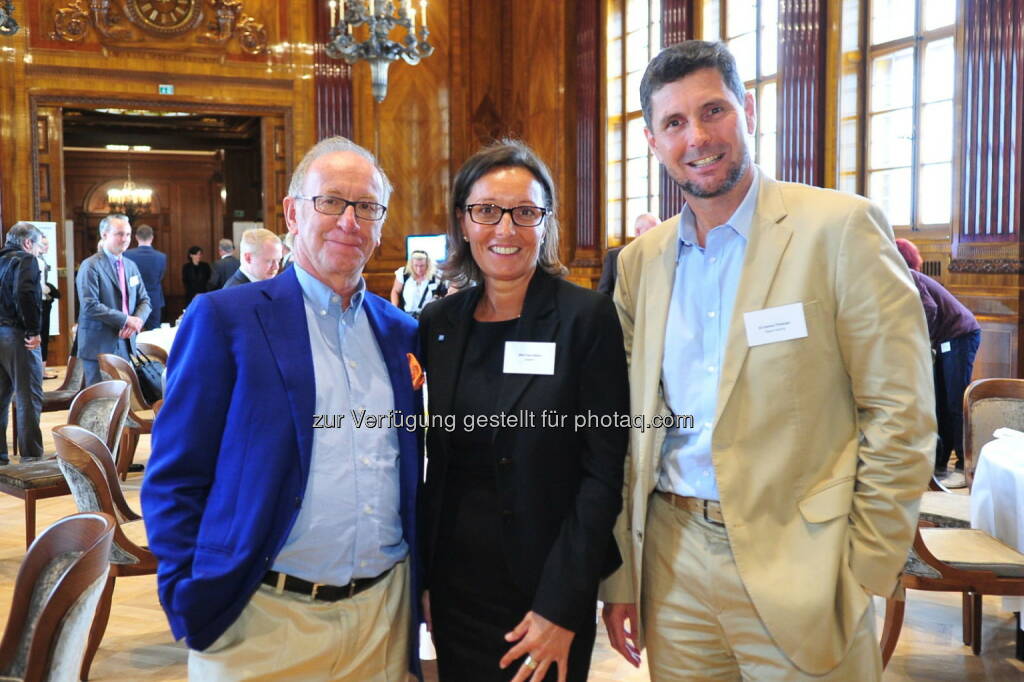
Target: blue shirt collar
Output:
{"points": [[321, 297], [740, 221]]}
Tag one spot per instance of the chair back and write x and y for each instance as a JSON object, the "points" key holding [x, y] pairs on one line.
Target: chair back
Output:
{"points": [[988, 405], [154, 351], [119, 368], [89, 470], [56, 593], [74, 376], [102, 409]]}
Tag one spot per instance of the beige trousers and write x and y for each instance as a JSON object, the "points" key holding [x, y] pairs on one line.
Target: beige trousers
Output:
{"points": [[289, 637], [699, 621]]}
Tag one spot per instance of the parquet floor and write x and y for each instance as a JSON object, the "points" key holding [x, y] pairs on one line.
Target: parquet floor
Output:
{"points": [[138, 644]]}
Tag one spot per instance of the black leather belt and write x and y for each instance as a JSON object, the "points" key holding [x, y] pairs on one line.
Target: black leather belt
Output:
{"points": [[319, 591]]}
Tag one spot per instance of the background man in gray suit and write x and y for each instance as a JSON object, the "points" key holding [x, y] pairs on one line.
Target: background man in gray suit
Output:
{"points": [[113, 297]]}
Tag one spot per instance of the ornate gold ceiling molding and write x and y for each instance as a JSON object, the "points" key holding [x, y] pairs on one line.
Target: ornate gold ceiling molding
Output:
{"points": [[130, 22]]}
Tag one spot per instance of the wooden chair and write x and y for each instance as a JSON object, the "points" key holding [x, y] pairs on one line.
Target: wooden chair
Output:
{"points": [[89, 469], [963, 560], [102, 408], [988, 405], [56, 595], [154, 351], [58, 399], [140, 415]]}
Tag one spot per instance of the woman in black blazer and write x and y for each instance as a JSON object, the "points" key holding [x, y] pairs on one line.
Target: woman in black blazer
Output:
{"points": [[521, 495]]}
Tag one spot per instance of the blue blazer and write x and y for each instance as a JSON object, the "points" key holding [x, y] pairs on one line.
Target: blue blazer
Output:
{"points": [[232, 446], [152, 264]]}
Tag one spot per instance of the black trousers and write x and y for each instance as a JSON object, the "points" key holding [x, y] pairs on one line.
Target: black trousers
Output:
{"points": [[952, 372]]}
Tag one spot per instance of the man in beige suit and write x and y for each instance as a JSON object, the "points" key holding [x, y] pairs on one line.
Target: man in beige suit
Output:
{"points": [[783, 319]]}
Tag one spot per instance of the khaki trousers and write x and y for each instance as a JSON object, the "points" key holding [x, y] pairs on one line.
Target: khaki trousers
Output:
{"points": [[698, 619], [286, 636]]}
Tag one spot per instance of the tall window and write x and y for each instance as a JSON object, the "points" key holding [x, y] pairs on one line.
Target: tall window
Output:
{"points": [[750, 29], [896, 108], [633, 39]]}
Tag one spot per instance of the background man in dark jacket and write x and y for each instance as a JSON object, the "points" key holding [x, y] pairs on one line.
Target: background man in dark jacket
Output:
{"points": [[21, 362], [152, 264]]}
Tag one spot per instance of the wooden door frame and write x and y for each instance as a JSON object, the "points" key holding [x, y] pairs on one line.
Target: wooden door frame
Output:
{"points": [[60, 347]]}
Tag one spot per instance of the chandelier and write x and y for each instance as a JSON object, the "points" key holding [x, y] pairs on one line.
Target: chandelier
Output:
{"points": [[128, 198], [8, 26], [380, 17]]}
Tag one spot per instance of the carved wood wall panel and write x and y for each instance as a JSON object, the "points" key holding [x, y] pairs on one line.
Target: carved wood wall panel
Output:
{"points": [[277, 170], [235, 29], [801, 99], [677, 25]]}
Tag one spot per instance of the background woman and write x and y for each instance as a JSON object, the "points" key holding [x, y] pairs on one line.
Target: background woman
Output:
{"points": [[518, 517], [417, 283], [195, 274]]}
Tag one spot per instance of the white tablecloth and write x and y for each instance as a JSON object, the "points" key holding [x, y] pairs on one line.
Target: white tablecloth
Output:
{"points": [[997, 497], [161, 336]]}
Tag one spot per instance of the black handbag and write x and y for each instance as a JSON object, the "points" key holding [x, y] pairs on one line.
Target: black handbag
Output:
{"points": [[151, 376]]}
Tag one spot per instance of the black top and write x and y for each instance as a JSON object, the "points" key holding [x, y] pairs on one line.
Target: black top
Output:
{"points": [[475, 396], [21, 303]]}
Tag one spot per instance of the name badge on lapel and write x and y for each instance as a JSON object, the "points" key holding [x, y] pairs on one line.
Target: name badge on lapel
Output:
{"points": [[529, 357], [133, 281], [781, 323]]}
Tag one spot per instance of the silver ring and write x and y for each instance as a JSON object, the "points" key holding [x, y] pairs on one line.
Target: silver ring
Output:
{"points": [[530, 663]]}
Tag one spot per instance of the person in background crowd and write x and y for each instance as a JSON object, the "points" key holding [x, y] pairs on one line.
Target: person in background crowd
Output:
{"points": [[517, 521], [261, 257], [195, 274], [49, 294], [152, 264], [114, 299], [955, 336], [417, 283], [225, 265], [781, 320], [21, 364], [286, 536], [606, 285]]}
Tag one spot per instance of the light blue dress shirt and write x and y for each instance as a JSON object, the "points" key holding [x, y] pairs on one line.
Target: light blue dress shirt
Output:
{"points": [[699, 314], [349, 525]]}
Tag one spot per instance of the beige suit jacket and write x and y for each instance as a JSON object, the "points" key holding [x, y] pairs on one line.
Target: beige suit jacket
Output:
{"points": [[822, 445]]}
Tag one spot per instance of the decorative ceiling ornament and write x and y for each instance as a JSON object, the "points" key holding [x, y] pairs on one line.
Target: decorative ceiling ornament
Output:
{"points": [[224, 19], [380, 17], [8, 26]]}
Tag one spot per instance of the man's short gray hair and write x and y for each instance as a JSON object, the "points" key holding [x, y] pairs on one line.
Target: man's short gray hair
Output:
{"points": [[107, 219], [226, 245], [254, 239], [333, 145], [21, 231]]}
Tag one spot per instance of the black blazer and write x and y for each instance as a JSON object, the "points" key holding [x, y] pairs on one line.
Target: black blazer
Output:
{"points": [[560, 488]]}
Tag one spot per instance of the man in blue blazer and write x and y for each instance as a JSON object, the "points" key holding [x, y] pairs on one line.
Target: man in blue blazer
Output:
{"points": [[280, 494], [152, 264]]}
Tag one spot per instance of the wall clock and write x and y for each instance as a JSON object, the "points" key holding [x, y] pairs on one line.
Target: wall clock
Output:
{"points": [[165, 17]]}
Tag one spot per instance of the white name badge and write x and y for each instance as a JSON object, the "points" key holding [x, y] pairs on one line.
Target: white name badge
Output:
{"points": [[781, 323], [133, 281], [945, 346], [529, 357]]}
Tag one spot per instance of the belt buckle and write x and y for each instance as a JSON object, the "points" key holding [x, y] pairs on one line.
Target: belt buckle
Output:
{"points": [[351, 587], [316, 588], [707, 518]]}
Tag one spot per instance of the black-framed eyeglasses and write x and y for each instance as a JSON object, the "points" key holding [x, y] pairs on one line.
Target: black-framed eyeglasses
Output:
{"points": [[328, 205], [491, 214]]}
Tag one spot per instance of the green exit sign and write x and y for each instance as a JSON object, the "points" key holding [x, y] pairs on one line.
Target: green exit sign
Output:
{"points": [[165, 89]]}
